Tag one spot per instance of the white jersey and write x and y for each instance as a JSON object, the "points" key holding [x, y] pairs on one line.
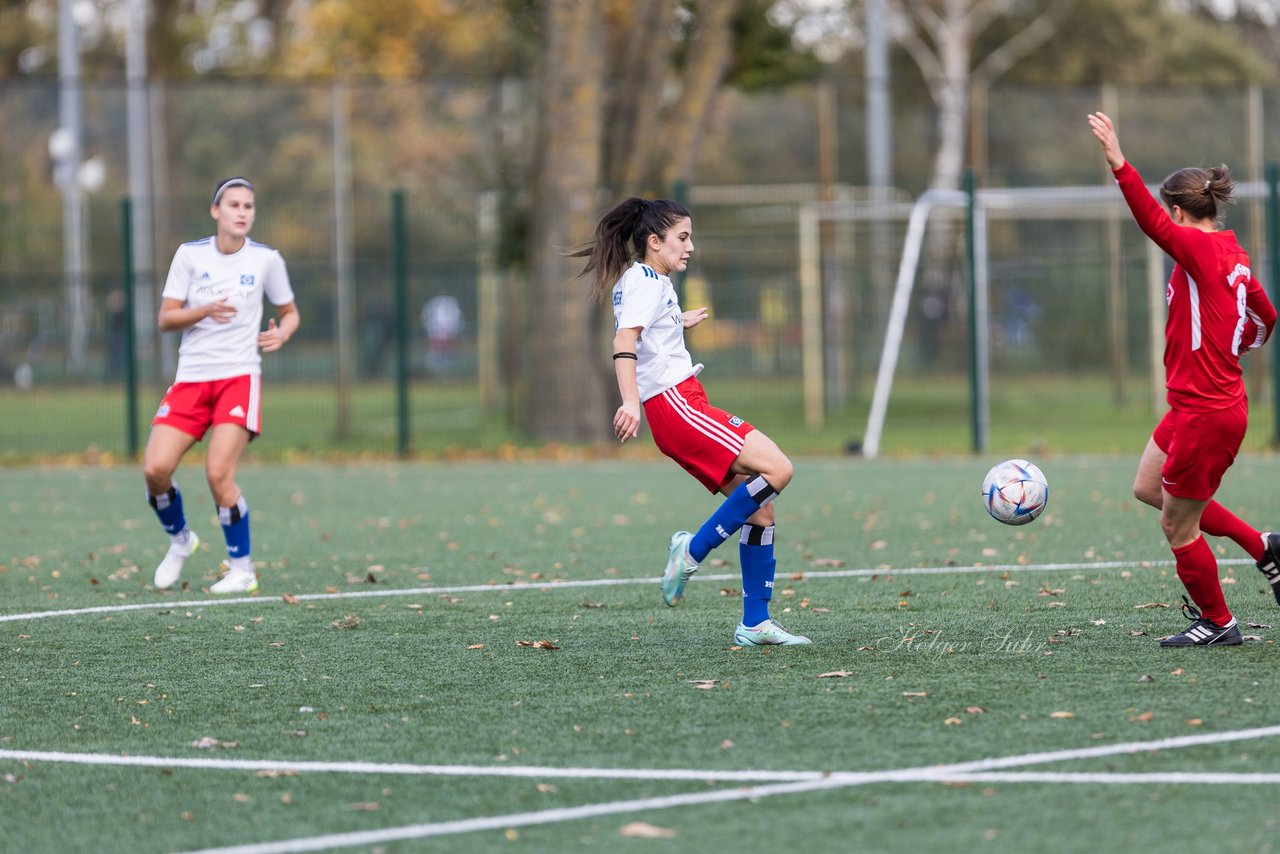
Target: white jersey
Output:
{"points": [[643, 298], [201, 274]]}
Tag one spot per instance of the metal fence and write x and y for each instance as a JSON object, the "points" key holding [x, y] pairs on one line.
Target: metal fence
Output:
{"points": [[460, 151]]}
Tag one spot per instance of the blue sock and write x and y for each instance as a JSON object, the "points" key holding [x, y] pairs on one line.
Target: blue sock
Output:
{"points": [[235, 527], [755, 550], [168, 507], [749, 497]]}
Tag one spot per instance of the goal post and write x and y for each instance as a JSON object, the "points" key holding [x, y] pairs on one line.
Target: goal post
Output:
{"points": [[1057, 207]]}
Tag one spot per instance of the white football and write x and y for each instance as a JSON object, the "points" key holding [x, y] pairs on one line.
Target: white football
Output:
{"points": [[1015, 492]]}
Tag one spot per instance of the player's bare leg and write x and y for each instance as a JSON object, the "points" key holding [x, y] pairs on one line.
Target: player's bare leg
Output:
{"points": [[226, 446], [165, 448]]}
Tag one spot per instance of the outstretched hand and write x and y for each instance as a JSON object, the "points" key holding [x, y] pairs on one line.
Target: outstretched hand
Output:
{"points": [[1104, 130], [694, 316]]}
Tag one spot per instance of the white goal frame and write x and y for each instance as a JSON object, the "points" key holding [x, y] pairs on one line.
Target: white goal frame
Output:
{"points": [[1098, 203]]}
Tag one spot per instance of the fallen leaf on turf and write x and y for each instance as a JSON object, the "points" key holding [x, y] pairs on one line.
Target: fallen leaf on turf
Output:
{"points": [[1099, 622], [1055, 604], [1152, 605], [704, 684], [1145, 678], [1257, 625], [1251, 637], [975, 710], [540, 644], [242, 797], [367, 806], [476, 646], [727, 744], [915, 693], [1177, 672], [1136, 633], [289, 599], [546, 788], [349, 621], [272, 774], [729, 591], [643, 830], [1051, 591], [835, 673], [828, 561], [952, 722], [1062, 714], [1144, 717], [1194, 722]]}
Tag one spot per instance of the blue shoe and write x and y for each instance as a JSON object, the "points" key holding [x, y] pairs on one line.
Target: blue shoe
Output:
{"points": [[680, 568], [766, 634]]}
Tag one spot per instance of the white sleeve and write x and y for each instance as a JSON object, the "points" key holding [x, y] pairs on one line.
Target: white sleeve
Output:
{"points": [[277, 287], [179, 281], [641, 298]]}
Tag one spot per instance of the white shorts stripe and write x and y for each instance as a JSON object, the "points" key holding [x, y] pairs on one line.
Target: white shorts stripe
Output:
{"points": [[700, 422], [253, 419]]}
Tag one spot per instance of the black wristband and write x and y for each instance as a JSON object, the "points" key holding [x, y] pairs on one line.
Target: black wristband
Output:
{"points": [[631, 356]]}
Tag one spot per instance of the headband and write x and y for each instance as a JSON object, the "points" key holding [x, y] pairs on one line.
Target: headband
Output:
{"points": [[230, 182]]}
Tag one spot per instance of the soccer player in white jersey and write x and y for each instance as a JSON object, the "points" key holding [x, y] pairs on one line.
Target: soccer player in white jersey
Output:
{"points": [[637, 247], [214, 294]]}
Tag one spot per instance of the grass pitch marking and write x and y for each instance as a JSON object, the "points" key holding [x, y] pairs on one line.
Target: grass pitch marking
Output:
{"points": [[954, 773], [161, 604]]}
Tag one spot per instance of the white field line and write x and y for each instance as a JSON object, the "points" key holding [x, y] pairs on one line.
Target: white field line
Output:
{"points": [[958, 772], [976, 768], [160, 604]]}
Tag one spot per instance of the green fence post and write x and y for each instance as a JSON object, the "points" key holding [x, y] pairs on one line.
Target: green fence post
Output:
{"points": [[1273, 256], [130, 334], [975, 380], [399, 252]]}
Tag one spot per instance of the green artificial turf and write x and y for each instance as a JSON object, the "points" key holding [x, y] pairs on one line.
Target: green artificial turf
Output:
{"points": [[503, 615]]}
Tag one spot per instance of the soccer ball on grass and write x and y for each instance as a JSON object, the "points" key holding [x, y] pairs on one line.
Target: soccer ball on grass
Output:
{"points": [[1015, 492]]}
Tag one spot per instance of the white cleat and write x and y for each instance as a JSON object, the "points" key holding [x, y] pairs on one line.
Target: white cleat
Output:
{"points": [[236, 581], [170, 569]]}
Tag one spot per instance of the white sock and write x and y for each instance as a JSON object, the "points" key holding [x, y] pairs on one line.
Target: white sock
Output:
{"points": [[240, 565], [181, 538]]}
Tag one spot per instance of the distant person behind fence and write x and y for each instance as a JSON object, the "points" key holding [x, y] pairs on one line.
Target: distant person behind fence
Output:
{"points": [[442, 320], [214, 295]]}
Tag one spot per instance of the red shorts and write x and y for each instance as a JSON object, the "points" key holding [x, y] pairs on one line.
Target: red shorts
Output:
{"points": [[702, 439], [192, 407], [1200, 447]]}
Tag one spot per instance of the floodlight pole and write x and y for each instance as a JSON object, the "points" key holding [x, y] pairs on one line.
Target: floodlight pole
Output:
{"points": [[68, 156]]}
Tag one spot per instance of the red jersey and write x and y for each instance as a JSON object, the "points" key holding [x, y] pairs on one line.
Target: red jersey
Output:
{"points": [[1217, 310]]}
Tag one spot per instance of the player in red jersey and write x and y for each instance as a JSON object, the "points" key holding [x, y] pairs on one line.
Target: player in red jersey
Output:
{"points": [[214, 295], [1217, 313]]}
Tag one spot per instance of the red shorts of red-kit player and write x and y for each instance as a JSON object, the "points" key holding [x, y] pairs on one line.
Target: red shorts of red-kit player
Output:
{"points": [[193, 407], [1200, 447], [704, 440]]}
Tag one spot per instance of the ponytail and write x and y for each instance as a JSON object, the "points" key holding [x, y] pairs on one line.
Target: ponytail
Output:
{"points": [[1200, 192], [621, 236]]}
